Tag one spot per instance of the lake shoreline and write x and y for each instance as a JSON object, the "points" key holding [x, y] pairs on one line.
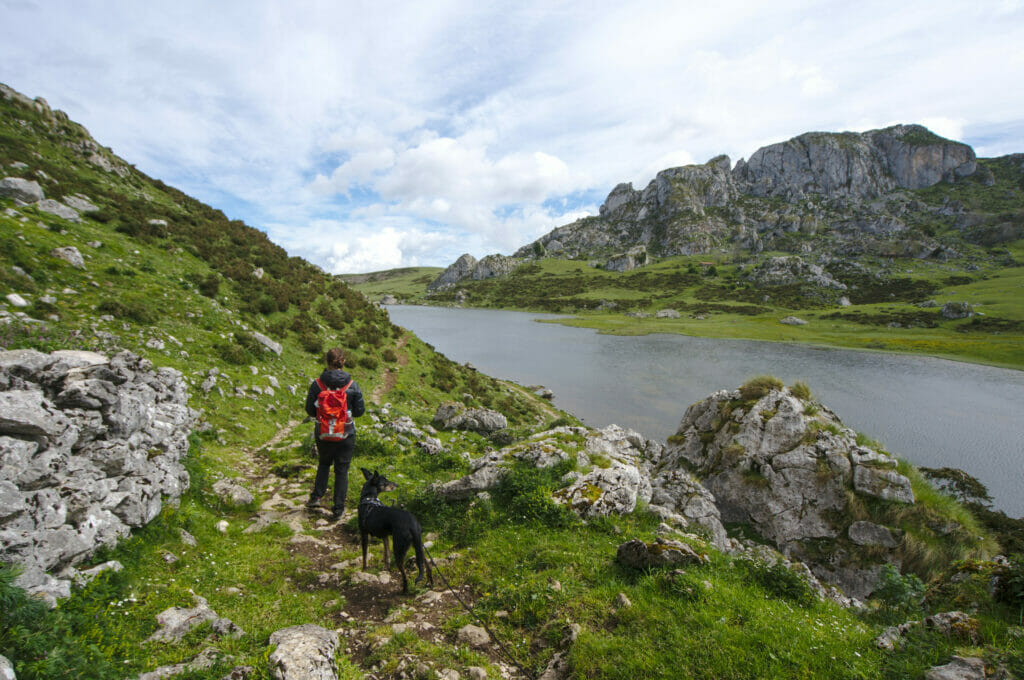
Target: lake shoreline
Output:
{"points": [[928, 410]]}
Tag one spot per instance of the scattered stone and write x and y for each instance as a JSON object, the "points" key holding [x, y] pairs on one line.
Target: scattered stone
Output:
{"points": [[956, 310], [16, 300], [476, 673], [389, 300], [176, 622], [205, 659], [663, 553], [304, 652], [6, 669], [48, 205], [23, 191], [274, 347], [474, 636], [557, 668], [622, 602], [666, 314], [222, 526], [455, 416], [232, 492], [960, 668], [793, 321]]}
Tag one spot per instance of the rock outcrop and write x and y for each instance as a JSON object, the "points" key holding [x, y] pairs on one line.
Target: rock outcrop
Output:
{"points": [[468, 267], [90, 448], [304, 652], [788, 467], [455, 416]]}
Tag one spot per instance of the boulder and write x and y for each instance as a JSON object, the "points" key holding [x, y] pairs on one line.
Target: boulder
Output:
{"points": [[304, 652], [960, 668], [389, 300], [473, 636], [16, 300], [23, 191], [455, 416], [869, 533], [6, 669], [70, 255], [788, 471], [666, 314], [793, 321], [956, 310], [664, 553], [457, 271], [271, 345], [176, 622], [633, 258], [80, 203], [232, 492], [48, 205], [89, 447]]}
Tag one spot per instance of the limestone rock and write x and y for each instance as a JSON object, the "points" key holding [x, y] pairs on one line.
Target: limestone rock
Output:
{"points": [[473, 636], [787, 472], [457, 271], [176, 622], [232, 492], [70, 255], [304, 652], [664, 553], [23, 191], [48, 205], [960, 668], [89, 447], [16, 300], [633, 258], [6, 669], [666, 314], [454, 416], [793, 321], [271, 345], [869, 533], [80, 203], [956, 310], [389, 300], [789, 270]]}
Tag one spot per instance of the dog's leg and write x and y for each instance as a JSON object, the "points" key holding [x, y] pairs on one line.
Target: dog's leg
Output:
{"points": [[401, 548], [364, 540], [421, 560], [387, 562]]}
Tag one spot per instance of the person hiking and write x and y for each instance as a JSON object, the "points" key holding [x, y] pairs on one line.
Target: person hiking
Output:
{"points": [[335, 433]]}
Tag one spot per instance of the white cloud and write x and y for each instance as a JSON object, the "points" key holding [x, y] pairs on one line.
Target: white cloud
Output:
{"points": [[412, 131]]}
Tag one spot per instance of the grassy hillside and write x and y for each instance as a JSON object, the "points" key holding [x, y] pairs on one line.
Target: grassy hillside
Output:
{"points": [[402, 283], [188, 294]]}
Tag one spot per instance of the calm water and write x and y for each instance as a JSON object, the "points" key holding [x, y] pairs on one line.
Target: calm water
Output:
{"points": [[933, 412]]}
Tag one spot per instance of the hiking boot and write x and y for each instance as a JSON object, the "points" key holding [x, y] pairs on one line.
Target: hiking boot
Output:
{"points": [[314, 501], [337, 515]]}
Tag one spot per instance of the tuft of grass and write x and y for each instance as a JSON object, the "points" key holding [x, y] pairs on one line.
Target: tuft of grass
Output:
{"points": [[800, 390], [758, 387]]}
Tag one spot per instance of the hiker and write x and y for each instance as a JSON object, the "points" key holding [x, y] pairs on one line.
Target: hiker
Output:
{"points": [[335, 441]]}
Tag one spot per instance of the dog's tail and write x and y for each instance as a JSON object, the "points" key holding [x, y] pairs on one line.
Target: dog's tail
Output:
{"points": [[421, 560]]}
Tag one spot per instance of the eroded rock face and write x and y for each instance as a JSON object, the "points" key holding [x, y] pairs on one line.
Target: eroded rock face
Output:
{"points": [[788, 469], [89, 448], [457, 271]]}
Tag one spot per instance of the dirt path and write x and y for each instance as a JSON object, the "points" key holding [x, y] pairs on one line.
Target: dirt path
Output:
{"points": [[391, 377]]}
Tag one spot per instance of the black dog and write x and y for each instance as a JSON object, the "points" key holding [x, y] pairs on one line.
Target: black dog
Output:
{"points": [[381, 521]]}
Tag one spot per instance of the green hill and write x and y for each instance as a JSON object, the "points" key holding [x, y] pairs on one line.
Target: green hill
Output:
{"points": [[178, 283]]}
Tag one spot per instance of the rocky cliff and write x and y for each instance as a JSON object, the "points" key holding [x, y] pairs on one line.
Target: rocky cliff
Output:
{"points": [[90, 447], [819, 185]]}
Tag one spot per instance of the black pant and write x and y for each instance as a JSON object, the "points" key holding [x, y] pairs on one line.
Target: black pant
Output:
{"points": [[338, 454]]}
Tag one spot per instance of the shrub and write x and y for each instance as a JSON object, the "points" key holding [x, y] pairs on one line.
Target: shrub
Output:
{"points": [[389, 355], [311, 342], [369, 362], [135, 308], [210, 285], [755, 388], [779, 580], [897, 591]]}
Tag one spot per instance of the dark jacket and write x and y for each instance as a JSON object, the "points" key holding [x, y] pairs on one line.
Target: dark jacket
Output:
{"points": [[335, 378]]}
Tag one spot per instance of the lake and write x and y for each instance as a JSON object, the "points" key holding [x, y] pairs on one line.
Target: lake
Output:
{"points": [[930, 411]]}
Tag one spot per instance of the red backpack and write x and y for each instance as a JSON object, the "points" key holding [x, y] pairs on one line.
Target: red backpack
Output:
{"points": [[332, 412]]}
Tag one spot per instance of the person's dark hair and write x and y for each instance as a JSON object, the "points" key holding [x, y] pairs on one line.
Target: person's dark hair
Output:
{"points": [[335, 357]]}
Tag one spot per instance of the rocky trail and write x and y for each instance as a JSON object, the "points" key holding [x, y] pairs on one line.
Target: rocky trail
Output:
{"points": [[369, 607]]}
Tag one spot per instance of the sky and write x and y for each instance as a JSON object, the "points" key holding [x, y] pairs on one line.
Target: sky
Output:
{"points": [[365, 136]]}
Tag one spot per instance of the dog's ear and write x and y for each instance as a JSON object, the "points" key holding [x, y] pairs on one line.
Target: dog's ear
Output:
{"points": [[376, 475], [366, 474]]}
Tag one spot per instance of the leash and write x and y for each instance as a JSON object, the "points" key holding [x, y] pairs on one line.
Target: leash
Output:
{"points": [[508, 655]]}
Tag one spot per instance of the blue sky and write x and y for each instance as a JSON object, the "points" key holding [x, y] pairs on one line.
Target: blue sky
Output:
{"points": [[372, 135]]}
